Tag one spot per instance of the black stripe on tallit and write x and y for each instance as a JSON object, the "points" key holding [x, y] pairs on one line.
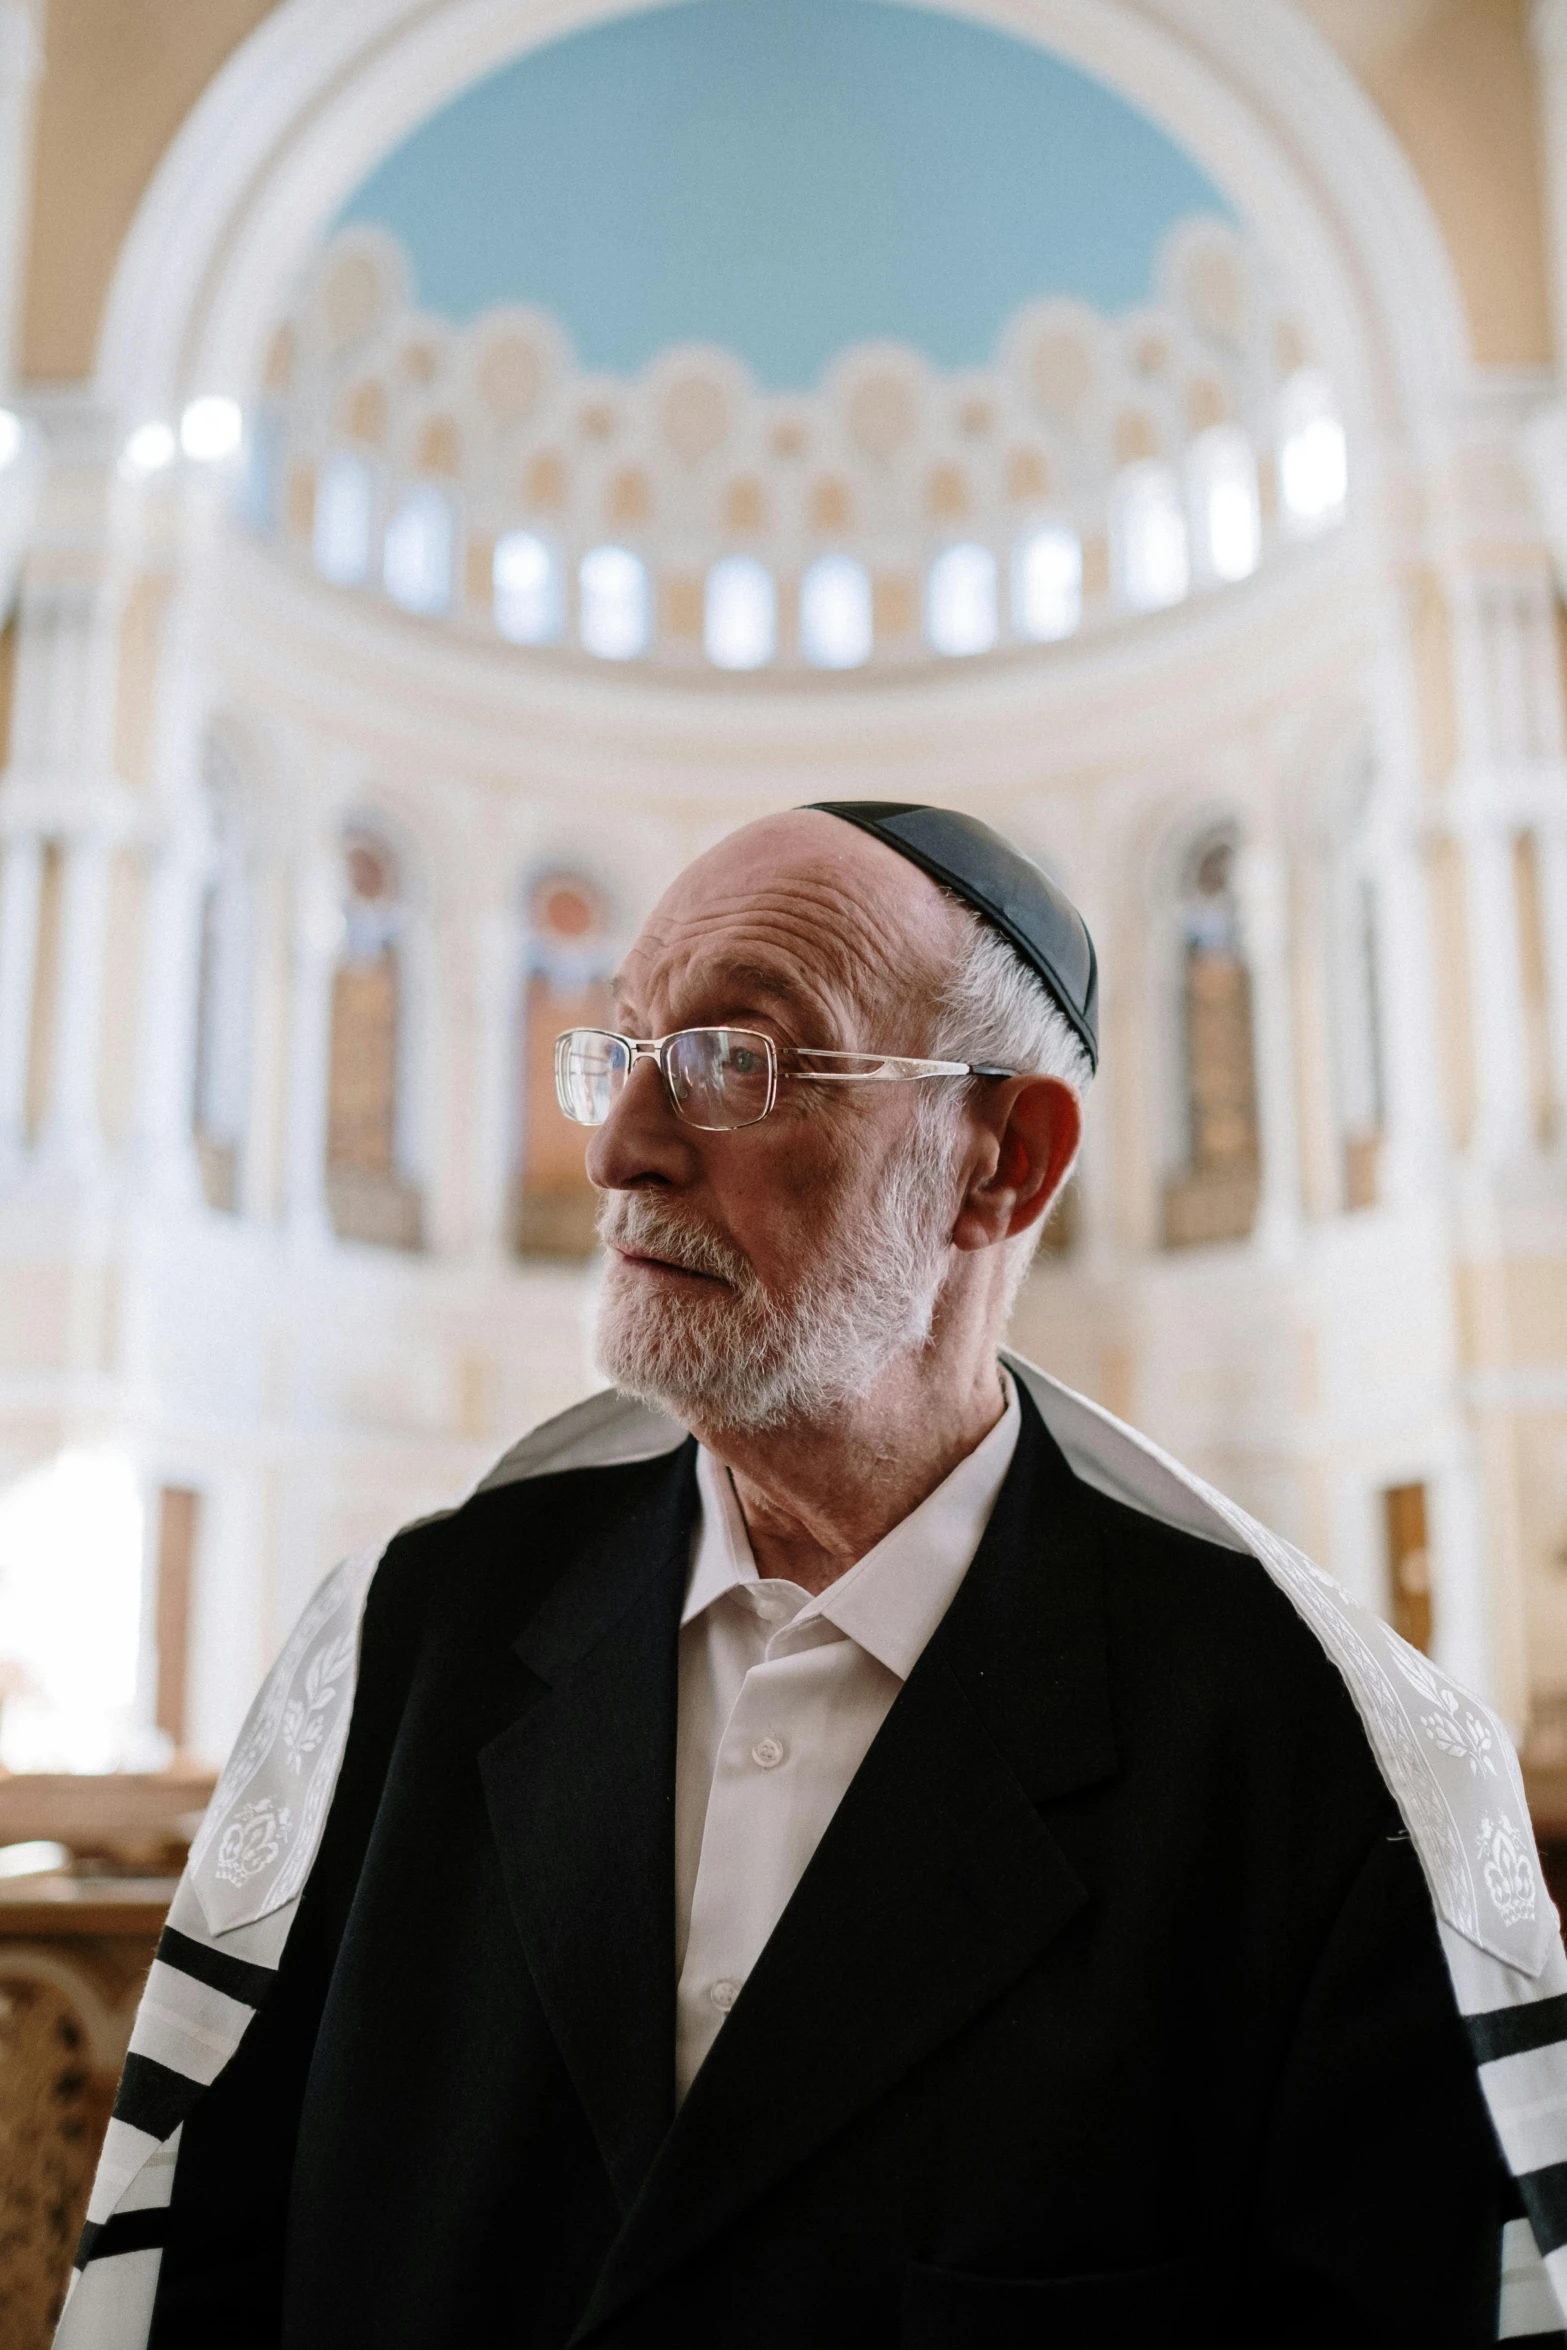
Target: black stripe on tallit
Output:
{"points": [[1544, 2194], [235, 1977], [125, 2231], [153, 2097], [1513, 2031]]}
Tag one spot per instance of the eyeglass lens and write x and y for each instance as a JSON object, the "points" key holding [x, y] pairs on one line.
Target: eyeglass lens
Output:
{"points": [[718, 1078], [590, 1068]]}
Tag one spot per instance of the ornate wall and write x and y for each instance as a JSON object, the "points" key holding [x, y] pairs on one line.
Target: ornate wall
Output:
{"points": [[685, 517], [279, 1214]]}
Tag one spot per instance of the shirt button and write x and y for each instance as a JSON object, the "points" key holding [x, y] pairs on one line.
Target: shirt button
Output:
{"points": [[768, 1753], [723, 1994]]}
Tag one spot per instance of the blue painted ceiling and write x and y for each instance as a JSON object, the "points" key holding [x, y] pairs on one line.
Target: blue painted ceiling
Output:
{"points": [[784, 178]]}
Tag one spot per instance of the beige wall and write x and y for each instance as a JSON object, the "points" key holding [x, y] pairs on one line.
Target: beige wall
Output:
{"points": [[1456, 82], [120, 77]]}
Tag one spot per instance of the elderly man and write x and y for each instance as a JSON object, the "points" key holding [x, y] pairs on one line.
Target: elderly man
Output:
{"points": [[838, 1843]]}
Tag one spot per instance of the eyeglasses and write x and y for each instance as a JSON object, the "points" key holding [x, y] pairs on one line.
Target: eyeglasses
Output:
{"points": [[717, 1078]]}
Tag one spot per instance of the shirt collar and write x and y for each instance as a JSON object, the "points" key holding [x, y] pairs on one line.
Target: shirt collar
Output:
{"points": [[892, 1599], [722, 1557]]}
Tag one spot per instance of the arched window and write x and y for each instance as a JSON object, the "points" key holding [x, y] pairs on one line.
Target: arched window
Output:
{"points": [[345, 511], [1221, 481], [420, 549], [1148, 537], [960, 600], [1047, 584], [740, 614], [836, 623], [1212, 1195], [566, 965], [526, 581], [615, 615], [220, 1098], [1313, 453], [369, 1193]]}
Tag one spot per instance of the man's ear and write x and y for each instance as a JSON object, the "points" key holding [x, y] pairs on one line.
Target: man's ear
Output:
{"points": [[1032, 1126]]}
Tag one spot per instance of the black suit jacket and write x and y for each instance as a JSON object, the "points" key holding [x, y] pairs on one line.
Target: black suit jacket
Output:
{"points": [[1110, 2007]]}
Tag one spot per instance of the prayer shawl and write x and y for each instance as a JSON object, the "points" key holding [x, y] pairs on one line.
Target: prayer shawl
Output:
{"points": [[1445, 1757]]}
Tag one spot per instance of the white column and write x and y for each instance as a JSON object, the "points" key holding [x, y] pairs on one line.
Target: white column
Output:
{"points": [[318, 924], [1463, 1601], [1474, 670], [1509, 695], [1496, 998], [168, 1026], [1491, 627], [496, 1065], [1544, 446], [262, 1172], [1551, 846], [1506, 618], [72, 1134], [1414, 1146], [21, 872], [1545, 670], [1262, 887]]}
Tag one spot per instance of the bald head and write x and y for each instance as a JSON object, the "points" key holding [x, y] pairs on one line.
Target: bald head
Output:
{"points": [[808, 918], [853, 1232]]}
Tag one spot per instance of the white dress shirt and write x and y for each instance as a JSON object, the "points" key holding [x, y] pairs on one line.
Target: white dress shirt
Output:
{"points": [[780, 1697]]}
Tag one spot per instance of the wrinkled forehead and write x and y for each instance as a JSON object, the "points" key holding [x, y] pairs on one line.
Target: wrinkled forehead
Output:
{"points": [[829, 923]]}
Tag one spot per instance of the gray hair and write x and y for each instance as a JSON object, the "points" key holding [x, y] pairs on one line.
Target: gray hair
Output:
{"points": [[993, 1008], [871, 1290]]}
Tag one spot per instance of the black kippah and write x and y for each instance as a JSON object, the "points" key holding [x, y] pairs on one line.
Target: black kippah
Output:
{"points": [[1003, 885]]}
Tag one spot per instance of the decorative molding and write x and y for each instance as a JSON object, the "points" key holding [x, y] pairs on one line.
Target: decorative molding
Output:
{"points": [[886, 460], [425, 700]]}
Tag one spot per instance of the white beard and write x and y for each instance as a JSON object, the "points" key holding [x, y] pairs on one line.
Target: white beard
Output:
{"points": [[739, 1357]]}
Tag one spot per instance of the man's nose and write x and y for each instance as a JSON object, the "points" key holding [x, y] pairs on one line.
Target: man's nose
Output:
{"points": [[641, 1141]]}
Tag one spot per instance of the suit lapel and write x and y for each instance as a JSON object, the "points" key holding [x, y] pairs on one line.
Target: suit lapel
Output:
{"points": [[935, 1884], [581, 1799]]}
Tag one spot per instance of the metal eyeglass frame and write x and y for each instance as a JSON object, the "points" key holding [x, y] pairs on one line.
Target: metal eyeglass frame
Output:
{"points": [[886, 1068]]}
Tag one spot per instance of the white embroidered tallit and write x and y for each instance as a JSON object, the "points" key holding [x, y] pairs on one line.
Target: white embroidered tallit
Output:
{"points": [[1447, 1761]]}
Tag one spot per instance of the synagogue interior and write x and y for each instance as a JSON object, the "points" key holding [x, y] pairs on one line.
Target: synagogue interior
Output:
{"points": [[459, 459]]}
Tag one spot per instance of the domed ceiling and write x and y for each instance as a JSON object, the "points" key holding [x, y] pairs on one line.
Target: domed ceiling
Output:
{"points": [[784, 178], [789, 335]]}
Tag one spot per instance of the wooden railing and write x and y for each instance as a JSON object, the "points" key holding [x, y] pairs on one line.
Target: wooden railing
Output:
{"points": [[75, 1946]]}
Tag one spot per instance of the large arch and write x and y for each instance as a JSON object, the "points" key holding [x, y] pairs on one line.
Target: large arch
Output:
{"points": [[325, 87], [515, 752]]}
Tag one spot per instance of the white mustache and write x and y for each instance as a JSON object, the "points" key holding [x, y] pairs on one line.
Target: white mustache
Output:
{"points": [[861, 1289], [644, 1227]]}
